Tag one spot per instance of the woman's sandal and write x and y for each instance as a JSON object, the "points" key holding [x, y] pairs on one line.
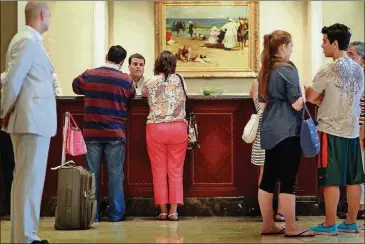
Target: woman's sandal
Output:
{"points": [[162, 216], [173, 217], [282, 218]]}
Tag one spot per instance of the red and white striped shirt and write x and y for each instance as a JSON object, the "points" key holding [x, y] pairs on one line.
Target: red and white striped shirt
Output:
{"points": [[362, 108]]}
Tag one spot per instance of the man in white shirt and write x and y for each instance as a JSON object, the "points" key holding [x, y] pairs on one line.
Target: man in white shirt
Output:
{"points": [[136, 68], [56, 84], [29, 115], [7, 154]]}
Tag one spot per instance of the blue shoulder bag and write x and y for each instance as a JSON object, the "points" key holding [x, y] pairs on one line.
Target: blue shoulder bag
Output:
{"points": [[309, 140]]}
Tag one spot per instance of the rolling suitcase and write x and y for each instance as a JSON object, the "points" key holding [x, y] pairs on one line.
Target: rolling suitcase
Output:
{"points": [[76, 202]]}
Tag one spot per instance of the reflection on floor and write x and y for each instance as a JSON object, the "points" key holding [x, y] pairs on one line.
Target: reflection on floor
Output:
{"points": [[187, 230]]}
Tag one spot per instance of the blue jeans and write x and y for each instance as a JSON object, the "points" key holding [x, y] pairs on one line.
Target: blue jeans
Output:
{"points": [[114, 156]]}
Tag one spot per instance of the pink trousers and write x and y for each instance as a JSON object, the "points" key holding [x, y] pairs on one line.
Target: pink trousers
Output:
{"points": [[166, 145]]}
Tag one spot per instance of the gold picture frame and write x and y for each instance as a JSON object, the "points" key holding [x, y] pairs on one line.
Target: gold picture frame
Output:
{"points": [[218, 61]]}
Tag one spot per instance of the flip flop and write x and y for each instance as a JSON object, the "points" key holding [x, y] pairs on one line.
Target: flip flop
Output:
{"points": [[281, 232], [299, 234]]}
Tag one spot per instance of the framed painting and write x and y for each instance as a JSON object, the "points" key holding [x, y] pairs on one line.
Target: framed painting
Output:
{"points": [[209, 38]]}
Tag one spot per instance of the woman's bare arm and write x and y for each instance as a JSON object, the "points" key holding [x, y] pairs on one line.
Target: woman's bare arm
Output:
{"points": [[254, 91]]}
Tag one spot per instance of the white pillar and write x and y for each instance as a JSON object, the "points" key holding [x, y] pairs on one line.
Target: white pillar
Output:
{"points": [[99, 32], [21, 14], [315, 24]]}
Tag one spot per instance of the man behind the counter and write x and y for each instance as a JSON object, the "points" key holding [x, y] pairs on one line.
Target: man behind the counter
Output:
{"points": [[136, 68]]}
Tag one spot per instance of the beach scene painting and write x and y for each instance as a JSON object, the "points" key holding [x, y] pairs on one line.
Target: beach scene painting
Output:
{"points": [[208, 38]]}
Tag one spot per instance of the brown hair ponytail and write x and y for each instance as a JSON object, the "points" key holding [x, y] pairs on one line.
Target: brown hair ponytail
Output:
{"points": [[268, 59]]}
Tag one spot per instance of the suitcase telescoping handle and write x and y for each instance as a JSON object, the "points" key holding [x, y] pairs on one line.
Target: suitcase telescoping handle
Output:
{"points": [[64, 137], [64, 140]]}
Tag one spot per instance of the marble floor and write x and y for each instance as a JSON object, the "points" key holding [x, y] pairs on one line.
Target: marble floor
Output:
{"points": [[187, 230]]}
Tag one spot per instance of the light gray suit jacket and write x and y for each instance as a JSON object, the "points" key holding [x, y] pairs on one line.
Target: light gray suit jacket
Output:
{"points": [[28, 87]]}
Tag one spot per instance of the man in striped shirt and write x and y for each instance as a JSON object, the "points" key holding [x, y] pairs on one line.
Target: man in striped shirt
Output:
{"points": [[107, 91], [356, 52]]}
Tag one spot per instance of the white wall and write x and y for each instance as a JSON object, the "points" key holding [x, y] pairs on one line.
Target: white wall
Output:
{"points": [[71, 45], [290, 16], [21, 14], [349, 13], [70, 40], [314, 55], [132, 27]]}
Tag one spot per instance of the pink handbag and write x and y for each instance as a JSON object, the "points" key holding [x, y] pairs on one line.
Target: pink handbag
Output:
{"points": [[75, 143]]}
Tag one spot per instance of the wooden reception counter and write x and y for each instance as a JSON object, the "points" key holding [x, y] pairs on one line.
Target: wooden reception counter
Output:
{"points": [[220, 168], [219, 179]]}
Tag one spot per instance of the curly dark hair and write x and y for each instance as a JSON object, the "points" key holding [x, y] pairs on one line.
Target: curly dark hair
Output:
{"points": [[166, 64], [340, 33], [116, 54]]}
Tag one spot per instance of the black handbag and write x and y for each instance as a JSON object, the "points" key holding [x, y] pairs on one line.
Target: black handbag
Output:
{"points": [[193, 137]]}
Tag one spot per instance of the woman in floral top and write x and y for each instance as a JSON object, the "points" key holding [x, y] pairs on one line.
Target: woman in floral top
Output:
{"points": [[166, 133]]}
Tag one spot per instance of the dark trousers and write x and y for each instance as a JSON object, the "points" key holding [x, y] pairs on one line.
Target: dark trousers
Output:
{"points": [[7, 165], [282, 163]]}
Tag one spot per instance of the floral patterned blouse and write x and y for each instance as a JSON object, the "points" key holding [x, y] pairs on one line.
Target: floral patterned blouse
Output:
{"points": [[166, 99]]}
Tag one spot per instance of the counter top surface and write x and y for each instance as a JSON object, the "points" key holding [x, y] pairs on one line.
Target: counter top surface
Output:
{"points": [[191, 97]]}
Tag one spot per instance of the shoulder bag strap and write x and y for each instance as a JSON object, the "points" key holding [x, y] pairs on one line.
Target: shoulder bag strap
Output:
{"points": [[182, 84]]}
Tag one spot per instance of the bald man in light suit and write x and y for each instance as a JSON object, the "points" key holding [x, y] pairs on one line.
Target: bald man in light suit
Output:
{"points": [[29, 116]]}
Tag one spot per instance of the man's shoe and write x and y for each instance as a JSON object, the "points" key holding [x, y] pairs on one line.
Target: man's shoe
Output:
{"points": [[5, 217], [342, 215], [40, 242], [322, 230], [348, 228], [117, 220]]}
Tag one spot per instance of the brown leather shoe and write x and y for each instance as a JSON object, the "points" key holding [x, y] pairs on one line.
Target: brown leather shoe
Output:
{"points": [[40, 242], [361, 214], [342, 215]]}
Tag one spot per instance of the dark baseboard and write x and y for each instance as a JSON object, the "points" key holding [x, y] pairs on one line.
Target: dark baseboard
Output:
{"points": [[206, 206]]}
